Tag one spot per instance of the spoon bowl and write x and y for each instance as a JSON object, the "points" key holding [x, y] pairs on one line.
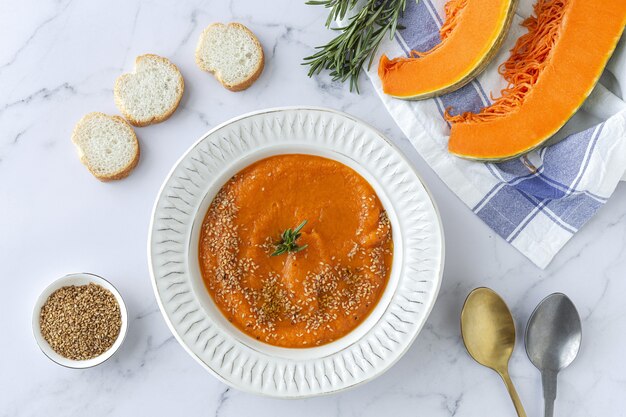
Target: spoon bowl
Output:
{"points": [[554, 333], [488, 329], [488, 332]]}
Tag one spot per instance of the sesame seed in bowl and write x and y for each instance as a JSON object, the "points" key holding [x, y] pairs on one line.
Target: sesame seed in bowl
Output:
{"points": [[79, 320]]}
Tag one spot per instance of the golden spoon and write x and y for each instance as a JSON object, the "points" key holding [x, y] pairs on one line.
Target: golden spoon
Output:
{"points": [[489, 335]]}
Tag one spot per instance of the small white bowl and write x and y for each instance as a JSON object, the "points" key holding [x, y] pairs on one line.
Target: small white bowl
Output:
{"points": [[77, 279]]}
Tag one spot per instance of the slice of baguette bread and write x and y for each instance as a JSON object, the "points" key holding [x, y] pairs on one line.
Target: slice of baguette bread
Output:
{"points": [[107, 146], [232, 53], [151, 93]]}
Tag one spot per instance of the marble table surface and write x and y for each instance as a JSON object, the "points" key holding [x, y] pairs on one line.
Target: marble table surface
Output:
{"points": [[58, 61]]}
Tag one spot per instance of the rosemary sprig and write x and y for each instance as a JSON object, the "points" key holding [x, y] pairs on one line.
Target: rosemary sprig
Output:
{"points": [[288, 239], [358, 41]]}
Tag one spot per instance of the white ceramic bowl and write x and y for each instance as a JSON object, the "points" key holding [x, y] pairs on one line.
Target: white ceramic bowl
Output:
{"points": [[82, 278], [195, 320]]}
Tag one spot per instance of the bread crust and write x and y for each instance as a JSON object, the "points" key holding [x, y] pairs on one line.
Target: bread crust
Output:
{"points": [[156, 119], [248, 81], [122, 173]]}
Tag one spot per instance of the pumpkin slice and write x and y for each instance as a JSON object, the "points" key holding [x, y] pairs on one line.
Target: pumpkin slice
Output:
{"points": [[551, 71], [470, 37]]}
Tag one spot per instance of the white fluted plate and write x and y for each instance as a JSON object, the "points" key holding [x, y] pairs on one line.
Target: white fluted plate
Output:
{"points": [[240, 360]]}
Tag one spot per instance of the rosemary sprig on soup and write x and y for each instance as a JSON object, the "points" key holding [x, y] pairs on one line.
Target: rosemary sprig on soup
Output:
{"points": [[296, 301], [288, 239]]}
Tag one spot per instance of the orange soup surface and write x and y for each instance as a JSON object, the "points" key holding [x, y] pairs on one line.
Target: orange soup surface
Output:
{"points": [[306, 297]]}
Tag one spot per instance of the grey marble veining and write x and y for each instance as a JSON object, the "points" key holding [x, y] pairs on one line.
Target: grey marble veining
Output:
{"points": [[58, 61]]}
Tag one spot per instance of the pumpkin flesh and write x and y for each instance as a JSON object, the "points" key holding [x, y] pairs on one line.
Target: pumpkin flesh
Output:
{"points": [[534, 108], [472, 33]]}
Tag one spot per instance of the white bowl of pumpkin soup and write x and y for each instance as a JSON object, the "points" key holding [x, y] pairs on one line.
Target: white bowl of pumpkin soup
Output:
{"points": [[296, 250]]}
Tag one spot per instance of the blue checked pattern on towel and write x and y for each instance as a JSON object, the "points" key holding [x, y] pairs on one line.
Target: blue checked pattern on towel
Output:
{"points": [[536, 202]]}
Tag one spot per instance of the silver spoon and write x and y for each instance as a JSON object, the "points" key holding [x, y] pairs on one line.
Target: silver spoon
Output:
{"points": [[553, 336]]}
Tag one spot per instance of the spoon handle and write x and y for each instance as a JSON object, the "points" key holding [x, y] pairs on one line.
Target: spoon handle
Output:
{"points": [[548, 379], [513, 393]]}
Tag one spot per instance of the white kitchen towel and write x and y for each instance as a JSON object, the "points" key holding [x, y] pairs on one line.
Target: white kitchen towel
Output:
{"points": [[536, 202]]}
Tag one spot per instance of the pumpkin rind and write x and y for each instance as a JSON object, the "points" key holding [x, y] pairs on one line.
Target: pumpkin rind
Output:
{"points": [[589, 32], [465, 52]]}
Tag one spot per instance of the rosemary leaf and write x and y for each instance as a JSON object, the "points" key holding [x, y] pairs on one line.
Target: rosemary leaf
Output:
{"points": [[357, 41], [288, 241]]}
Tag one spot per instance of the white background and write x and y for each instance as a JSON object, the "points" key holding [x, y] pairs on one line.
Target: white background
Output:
{"points": [[58, 61]]}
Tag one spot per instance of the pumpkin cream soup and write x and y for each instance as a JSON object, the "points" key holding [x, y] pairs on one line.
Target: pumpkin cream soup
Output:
{"points": [[296, 250]]}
